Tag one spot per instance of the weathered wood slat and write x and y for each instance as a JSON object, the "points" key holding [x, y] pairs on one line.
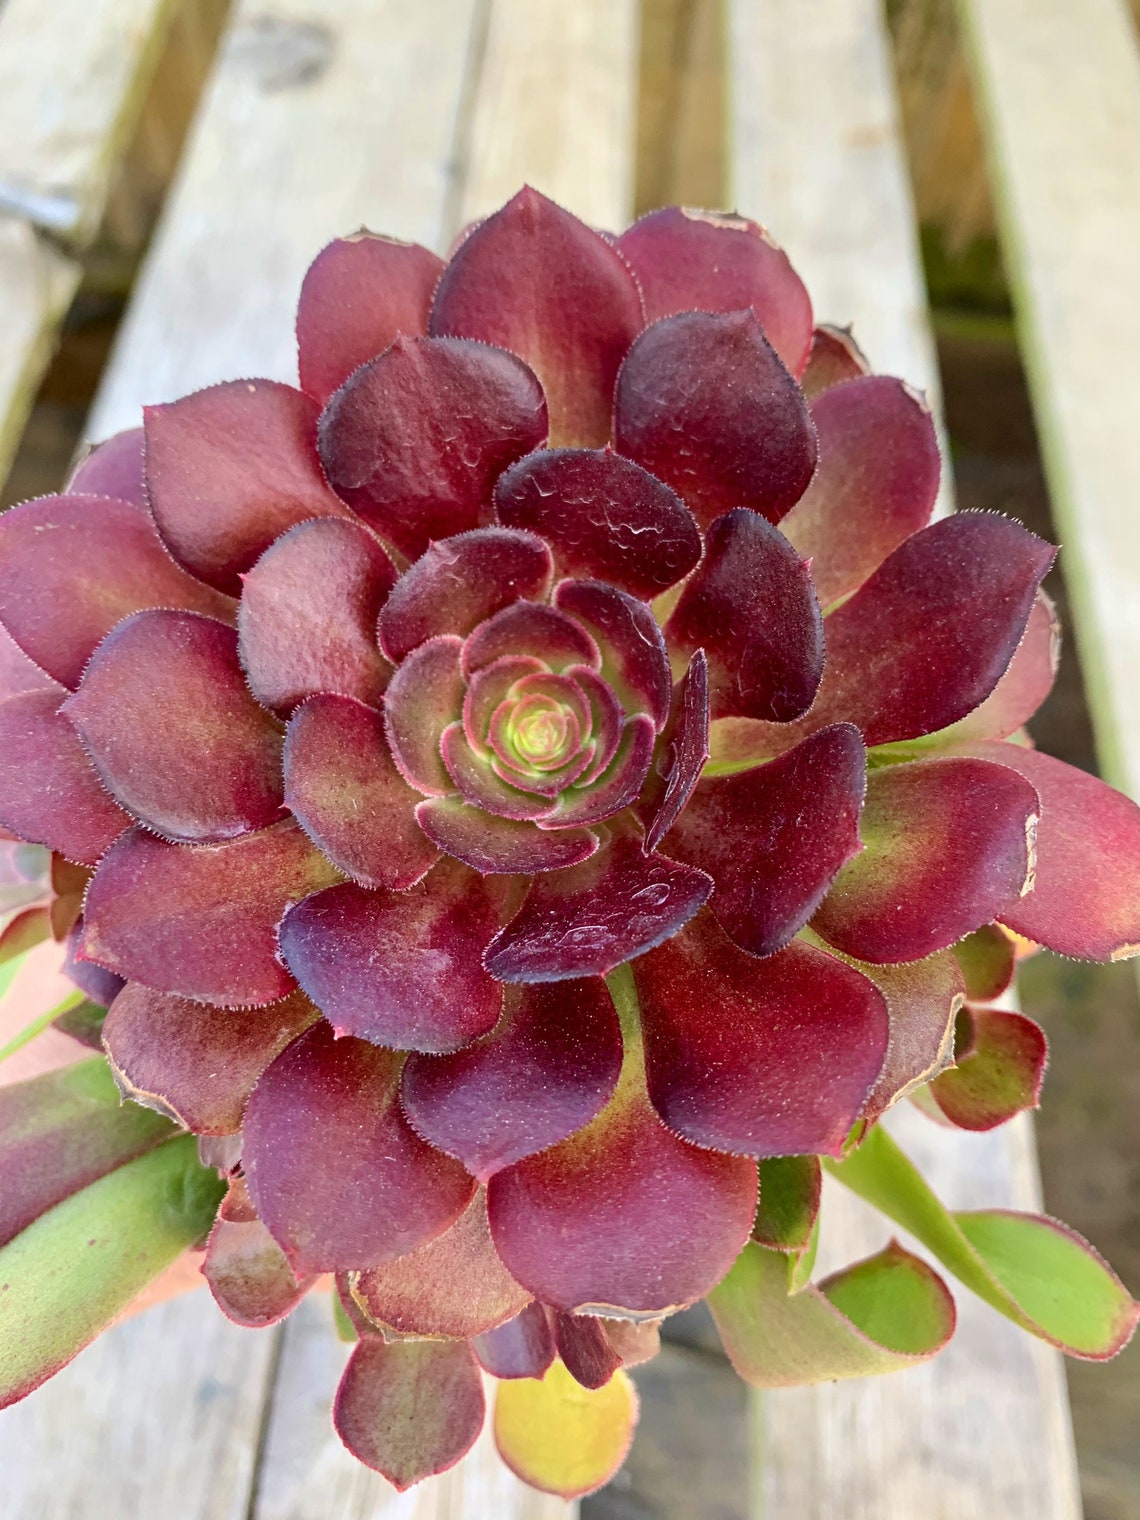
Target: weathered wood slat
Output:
{"points": [[1059, 88], [984, 1429], [73, 78]]}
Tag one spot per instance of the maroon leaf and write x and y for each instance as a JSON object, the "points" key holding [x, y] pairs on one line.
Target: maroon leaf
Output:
{"points": [[461, 581], [585, 1349], [113, 468], [688, 750], [987, 960], [929, 636], [533, 279], [530, 630], [742, 437], [72, 566], [948, 844], [360, 293], [343, 787], [604, 517], [201, 920], [785, 1074], [18, 674], [774, 838], [425, 695], [835, 356], [307, 620], [495, 845], [165, 714], [875, 483], [1086, 897], [416, 439], [231, 468], [49, 792], [623, 1214], [1028, 680], [399, 968], [634, 661], [751, 607], [998, 1072], [542, 1073], [454, 1285], [411, 1409], [333, 1168], [710, 261], [248, 1272], [194, 1062], [588, 919], [522, 1348]]}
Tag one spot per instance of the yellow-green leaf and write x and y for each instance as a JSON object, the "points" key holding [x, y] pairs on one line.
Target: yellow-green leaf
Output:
{"points": [[561, 1437]]}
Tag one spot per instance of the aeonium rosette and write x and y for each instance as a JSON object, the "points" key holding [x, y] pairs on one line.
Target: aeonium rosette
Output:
{"points": [[546, 782]]}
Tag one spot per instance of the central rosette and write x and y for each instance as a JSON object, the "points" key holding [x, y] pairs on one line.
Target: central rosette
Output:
{"points": [[534, 721]]}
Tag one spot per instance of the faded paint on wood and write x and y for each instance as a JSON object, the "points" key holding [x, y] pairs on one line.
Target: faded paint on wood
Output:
{"points": [[984, 1429], [1060, 91]]}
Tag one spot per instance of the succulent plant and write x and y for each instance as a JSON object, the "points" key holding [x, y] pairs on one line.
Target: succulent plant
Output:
{"points": [[548, 789]]}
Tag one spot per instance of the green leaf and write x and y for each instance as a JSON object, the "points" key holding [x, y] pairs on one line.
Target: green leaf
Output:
{"points": [[39, 1024], [84, 1022], [68, 1275], [881, 1315], [1033, 1269], [788, 1216]]}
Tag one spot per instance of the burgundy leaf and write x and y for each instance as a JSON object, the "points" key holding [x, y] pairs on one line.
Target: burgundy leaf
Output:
{"points": [[1028, 680], [533, 279], [585, 1349], [634, 661], [604, 517], [542, 1073], [588, 919], [333, 1168], [360, 293], [835, 356], [201, 920], [711, 261], [165, 714], [998, 1069], [72, 566], [774, 838], [195, 1062], [49, 792], [248, 1272], [411, 1409], [688, 750], [522, 1348], [704, 403], [530, 630], [345, 790], [948, 844], [752, 608], [399, 968], [874, 485], [461, 581], [424, 697], [231, 468], [307, 620], [495, 845], [416, 438], [761, 1058], [113, 468]]}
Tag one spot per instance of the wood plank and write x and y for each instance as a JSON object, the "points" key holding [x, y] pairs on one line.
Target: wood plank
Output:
{"points": [[1060, 94], [158, 1420], [984, 1429], [36, 288], [73, 78]]}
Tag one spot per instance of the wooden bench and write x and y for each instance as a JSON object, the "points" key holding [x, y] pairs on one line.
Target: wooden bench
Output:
{"points": [[413, 119]]}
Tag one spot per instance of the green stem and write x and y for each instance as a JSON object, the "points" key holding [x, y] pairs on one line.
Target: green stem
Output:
{"points": [[37, 1026]]}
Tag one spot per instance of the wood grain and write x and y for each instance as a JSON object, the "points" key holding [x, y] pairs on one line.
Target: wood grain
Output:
{"points": [[984, 1429], [1060, 92]]}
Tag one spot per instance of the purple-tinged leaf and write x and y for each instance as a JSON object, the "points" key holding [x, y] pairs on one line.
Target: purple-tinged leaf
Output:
{"points": [[543, 1072], [742, 437], [1028, 680], [231, 468], [835, 356], [533, 279], [711, 261], [493, 845], [332, 1165], [618, 789], [605, 518], [634, 661], [415, 439], [585, 1349], [201, 920], [19, 674], [999, 1066], [248, 1273], [482, 785], [688, 750], [752, 608], [360, 293], [348, 796], [166, 716], [112, 468], [425, 695], [522, 1348], [402, 969], [530, 630], [72, 566], [948, 845], [588, 919]]}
